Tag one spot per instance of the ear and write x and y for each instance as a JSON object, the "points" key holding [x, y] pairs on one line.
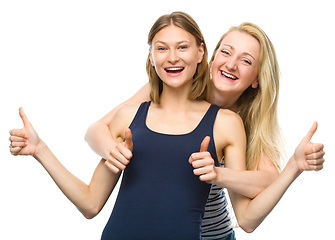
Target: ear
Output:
{"points": [[151, 58], [254, 84], [201, 52]]}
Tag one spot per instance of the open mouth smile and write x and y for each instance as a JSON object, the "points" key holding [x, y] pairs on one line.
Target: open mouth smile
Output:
{"points": [[229, 76], [174, 71]]}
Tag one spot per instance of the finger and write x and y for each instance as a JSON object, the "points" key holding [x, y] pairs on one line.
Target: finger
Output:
{"points": [[204, 144], [15, 150], [208, 161], [121, 154], [123, 151], [198, 156], [314, 156], [17, 139], [314, 148], [315, 162], [316, 167], [203, 170], [208, 178], [17, 133], [111, 167], [24, 118], [116, 163], [129, 139], [310, 133], [18, 144]]}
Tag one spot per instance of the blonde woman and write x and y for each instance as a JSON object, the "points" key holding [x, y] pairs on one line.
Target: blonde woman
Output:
{"points": [[245, 79]]}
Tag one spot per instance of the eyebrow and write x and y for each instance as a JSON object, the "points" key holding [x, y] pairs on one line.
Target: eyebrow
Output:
{"points": [[244, 53], [180, 42]]}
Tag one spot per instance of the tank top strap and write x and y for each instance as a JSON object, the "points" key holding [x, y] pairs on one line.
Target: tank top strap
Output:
{"points": [[207, 122], [141, 115]]}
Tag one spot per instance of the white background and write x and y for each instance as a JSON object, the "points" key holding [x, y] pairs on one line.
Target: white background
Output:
{"points": [[69, 62]]}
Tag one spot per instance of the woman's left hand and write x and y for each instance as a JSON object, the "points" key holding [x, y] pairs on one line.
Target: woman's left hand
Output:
{"points": [[203, 163], [309, 156]]}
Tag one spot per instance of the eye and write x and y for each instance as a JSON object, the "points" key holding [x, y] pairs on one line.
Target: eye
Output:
{"points": [[247, 61], [161, 48], [225, 52], [183, 47]]}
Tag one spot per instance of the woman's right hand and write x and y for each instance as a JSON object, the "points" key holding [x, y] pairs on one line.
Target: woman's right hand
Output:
{"points": [[24, 141], [121, 154]]}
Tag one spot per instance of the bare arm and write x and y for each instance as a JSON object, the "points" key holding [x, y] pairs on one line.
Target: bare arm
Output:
{"points": [[248, 183], [251, 213], [252, 183], [98, 135], [89, 199]]}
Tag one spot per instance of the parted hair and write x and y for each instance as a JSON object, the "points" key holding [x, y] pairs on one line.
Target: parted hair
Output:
{"points": [[199, 88], [258, 107]]}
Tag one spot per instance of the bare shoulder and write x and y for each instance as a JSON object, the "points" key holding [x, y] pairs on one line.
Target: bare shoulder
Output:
{"points": [[228, 118], [122, 118], [127, 109], [228, 127]]}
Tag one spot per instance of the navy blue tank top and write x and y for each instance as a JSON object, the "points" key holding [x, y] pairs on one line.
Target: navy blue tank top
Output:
{"points": [[160, 197]]}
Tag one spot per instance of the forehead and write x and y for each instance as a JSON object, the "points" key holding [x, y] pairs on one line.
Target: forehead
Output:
{"points": [[242, 42], [173, 34]]}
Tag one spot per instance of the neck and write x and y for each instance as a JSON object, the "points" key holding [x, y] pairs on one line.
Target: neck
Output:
{"points": [[225, 100], [175, 99]]}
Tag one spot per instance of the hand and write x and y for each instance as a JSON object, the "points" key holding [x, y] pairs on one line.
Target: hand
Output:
{"points": [[24, 141], [203, 163], [122, 153], [309, 156]]}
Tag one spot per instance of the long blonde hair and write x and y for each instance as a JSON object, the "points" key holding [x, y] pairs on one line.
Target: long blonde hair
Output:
{"points": [[258, 107], [200, 84]]}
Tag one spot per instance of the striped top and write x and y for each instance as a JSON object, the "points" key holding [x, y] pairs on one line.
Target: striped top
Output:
{"points": [[216, 222]]}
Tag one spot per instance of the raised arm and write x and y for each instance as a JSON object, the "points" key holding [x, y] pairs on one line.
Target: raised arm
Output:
{"points": [[251, 213], [89, 199], [252, 183], [98, 135]]}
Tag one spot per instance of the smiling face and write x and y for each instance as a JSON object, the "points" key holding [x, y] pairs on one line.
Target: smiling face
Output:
{"points": [[236, 63], [175, 55]]}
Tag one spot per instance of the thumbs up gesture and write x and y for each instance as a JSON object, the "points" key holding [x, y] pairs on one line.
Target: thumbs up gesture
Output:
{"points": [[203, 163], [309, 156], [121, 154], [24, 141]]}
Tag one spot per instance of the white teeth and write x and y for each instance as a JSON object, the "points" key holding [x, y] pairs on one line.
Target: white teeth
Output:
{"points": [[228, 75], [175, 68]]}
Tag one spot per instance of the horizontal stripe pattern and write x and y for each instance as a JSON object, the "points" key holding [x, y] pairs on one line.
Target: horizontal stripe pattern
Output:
{"points": [[216, 221]]}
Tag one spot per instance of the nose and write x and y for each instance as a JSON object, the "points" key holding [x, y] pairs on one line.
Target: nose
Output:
{"points": [[173, 56], [231, 63]]}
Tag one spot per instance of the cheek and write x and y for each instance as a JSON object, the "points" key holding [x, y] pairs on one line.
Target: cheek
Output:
{"points": [[217, 63], [249, 76]]}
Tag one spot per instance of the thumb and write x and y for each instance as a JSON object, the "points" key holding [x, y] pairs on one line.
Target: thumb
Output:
{"points": [[129, 139], [24, 118], [310, 133], [204, 144]]}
